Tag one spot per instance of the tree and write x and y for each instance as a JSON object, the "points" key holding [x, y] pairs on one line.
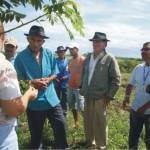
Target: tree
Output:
{"points": [[53, 10]]}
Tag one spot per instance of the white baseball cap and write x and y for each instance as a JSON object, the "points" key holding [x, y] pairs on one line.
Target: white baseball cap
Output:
{"points": [[11, 41], [73, 45]]}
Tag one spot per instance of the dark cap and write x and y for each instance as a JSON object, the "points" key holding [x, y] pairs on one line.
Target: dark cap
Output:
{"points": [[37, 30], [60, 48], [99, 36]]}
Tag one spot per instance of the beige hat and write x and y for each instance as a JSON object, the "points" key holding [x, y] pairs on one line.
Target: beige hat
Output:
{"points": [[11, 41]]}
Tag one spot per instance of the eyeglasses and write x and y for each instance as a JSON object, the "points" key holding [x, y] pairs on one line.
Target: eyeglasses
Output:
{"points": [[145, 49]]}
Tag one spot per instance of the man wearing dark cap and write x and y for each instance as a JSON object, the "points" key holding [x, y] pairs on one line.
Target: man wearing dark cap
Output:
{"points": [[99, 83], [61, 82], [37, 65]]}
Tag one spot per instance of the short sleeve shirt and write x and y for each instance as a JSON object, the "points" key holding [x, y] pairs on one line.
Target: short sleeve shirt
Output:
{"points": [[140, 78], [9, 87]]}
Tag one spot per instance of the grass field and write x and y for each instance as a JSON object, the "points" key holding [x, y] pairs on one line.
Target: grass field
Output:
{"points": [[118, 123]]}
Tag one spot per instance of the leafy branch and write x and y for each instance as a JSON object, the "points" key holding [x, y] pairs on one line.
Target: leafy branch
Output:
{"points": [[24, 86], [23, 24], [58, 10]]}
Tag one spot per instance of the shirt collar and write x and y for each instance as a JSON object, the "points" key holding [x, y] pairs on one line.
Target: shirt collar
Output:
{"points": [[99, 56]]}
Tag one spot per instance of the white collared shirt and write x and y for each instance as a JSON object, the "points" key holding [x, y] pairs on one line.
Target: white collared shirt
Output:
{"points": [[93, 64], [140, 78]]}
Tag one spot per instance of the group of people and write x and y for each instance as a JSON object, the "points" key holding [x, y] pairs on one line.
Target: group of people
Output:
{"points": [[68, 80], [85, 85]]}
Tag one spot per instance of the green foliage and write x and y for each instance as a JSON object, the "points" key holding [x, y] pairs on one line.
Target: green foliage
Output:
{"points": [[8, 14], [67, 9], [24, 86], [55, 10], [118, 127], [127, 65]]}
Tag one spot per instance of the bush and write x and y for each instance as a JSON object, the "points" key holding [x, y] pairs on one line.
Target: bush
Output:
{"points": [[127, 65]]}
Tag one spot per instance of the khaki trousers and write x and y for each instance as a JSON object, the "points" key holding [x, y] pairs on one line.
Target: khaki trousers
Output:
{"points": [[95, 123]]}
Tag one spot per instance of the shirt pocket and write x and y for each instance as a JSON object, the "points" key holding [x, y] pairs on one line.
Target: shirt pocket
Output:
{"points": [[102, 69]]}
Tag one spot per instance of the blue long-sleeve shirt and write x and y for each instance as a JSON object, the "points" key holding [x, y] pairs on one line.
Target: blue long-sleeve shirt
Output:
{"points": [[63, 72], [28, 69]]}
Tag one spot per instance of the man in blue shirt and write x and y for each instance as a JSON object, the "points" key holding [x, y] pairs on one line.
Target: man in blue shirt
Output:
{"points": [[10, 47], [61, 82], [37, 65]]}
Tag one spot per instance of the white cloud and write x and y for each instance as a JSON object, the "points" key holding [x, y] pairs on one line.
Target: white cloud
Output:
{"points": [[125, 22]]}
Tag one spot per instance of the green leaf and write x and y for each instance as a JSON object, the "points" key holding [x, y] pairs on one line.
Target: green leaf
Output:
{"points": [[64, 8], [7, 5], [17, 18], [1, 2], [60, 9], [11, 17], [53, 1], [3, 17], [22, 2], [7, 18], [24, 86]]}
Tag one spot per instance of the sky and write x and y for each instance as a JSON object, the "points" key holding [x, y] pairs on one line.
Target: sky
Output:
{"points": [[125, 22]]}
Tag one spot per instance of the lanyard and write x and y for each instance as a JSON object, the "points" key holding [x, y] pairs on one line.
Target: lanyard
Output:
{"points": [[145, 76]]}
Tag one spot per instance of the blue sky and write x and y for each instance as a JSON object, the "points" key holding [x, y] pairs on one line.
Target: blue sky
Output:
{"points": [[126, 23]]}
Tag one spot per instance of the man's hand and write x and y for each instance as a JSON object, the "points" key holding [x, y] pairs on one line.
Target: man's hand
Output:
{"points": [[57, 80], [106, 102], [141, 111], [40, 84], [62, 78], [32, 93], [143, 108], [148, 89], [125, 103]]}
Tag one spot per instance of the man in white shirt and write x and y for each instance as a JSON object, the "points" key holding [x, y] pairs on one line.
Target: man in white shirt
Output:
{"points": [[140, 109]]}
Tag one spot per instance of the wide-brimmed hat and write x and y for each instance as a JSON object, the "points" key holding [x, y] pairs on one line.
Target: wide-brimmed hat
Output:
{"points": [[73, 45], [60, 48], [11, 41], [99, 36], [37, 30]]}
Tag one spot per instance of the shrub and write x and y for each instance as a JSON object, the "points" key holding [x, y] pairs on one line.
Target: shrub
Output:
{"points": [[127, 65]]}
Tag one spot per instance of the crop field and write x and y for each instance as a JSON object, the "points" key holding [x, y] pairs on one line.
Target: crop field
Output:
{"points": [[118, 121]]}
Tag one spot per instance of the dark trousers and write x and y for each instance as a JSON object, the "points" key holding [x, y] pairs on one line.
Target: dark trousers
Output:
{"points": [[36, 121], [136, 126], [62, 95]]}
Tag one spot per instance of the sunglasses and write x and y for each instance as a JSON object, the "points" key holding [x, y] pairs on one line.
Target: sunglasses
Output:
{"points": [[145, 49]]}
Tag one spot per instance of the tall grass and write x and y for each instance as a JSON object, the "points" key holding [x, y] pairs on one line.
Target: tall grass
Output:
{"points": [[118, 125]]}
